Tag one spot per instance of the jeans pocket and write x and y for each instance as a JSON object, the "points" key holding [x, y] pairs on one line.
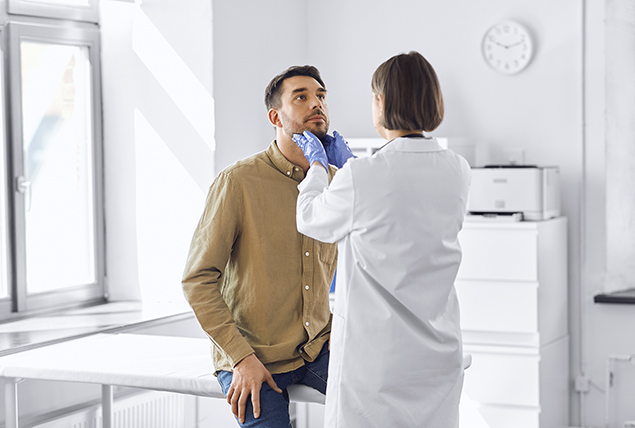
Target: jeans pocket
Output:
{"points": [[225, 380]]}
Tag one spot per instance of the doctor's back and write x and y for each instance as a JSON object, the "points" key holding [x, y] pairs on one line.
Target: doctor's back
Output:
{"points": [[396, 328]]}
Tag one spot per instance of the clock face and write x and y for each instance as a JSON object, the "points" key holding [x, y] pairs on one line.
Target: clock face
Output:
{"points": [[507, 47]]}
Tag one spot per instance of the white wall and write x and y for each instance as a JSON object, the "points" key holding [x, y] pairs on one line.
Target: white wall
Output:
{"points": [[158, 140]]}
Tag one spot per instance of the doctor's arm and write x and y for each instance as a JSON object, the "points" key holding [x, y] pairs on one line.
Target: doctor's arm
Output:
{"points": [[325, 212]]}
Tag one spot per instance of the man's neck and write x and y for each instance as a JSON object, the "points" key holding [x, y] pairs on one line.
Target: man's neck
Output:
{"points": [[291, 151]]}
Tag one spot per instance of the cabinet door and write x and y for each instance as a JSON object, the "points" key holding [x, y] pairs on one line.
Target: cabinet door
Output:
{"points": [[503, 254]]}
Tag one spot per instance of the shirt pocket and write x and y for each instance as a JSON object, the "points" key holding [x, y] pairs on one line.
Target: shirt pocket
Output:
{"points": [[327, 252]]}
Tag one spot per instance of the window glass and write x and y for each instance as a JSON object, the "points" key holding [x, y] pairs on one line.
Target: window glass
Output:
{"points": [[57, 150], [64, 2], [4, 228]]}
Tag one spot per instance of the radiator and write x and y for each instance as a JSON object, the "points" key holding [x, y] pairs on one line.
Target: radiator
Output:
{"points": [[149, 409]]}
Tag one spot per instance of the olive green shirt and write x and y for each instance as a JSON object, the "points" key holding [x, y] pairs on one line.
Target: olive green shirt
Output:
{"points": [[254, 282]]}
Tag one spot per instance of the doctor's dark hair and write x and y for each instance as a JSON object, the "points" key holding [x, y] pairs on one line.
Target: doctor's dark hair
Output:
{"points": [[273, 91], [411, 91]]}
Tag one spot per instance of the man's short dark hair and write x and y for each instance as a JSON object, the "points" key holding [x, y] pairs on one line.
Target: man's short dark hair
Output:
{"points": [[411, 91], [274, 88]]}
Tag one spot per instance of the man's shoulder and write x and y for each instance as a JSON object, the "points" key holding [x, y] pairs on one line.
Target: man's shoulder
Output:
{"points": [[247, 166]]}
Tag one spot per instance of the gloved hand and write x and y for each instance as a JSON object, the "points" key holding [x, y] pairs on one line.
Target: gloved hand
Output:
{"points": [[312, 148], [337, 149]]}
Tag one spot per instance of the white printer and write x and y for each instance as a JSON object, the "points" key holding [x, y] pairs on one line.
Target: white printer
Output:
{"points": [[529, 191]]}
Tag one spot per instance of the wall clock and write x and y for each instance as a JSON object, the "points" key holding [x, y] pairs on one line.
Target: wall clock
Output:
{"points": [[508, 47]]}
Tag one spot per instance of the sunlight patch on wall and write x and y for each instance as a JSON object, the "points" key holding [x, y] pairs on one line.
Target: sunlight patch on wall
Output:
{"points": [[179, 82], [169, 203]]}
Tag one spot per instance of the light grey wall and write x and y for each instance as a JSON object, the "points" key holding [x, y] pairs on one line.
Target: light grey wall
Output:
{"points": [[253, 42]]}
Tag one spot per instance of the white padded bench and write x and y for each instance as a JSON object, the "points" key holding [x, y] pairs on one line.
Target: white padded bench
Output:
{"points": [[162, 363]]}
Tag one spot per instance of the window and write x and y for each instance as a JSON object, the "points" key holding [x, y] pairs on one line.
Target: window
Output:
{"points": [[56, 166], [4, 221], [78, 10]]}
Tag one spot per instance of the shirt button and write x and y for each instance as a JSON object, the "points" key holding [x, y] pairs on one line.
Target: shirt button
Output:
{"points": [[306, 287], [306, 254], [307, 323], [288, 172], [296, 169]]}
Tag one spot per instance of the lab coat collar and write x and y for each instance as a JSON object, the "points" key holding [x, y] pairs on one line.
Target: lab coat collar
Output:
{"points": [[413, 145]]}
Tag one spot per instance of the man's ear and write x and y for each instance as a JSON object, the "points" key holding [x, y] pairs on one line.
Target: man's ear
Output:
{"points": [[274, 117]]}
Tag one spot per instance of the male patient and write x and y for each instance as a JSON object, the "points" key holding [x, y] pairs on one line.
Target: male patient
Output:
{"points": [[258, 287]]}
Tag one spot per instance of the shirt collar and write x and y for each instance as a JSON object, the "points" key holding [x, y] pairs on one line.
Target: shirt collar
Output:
{"points": [[283, 164], [413, 145]]}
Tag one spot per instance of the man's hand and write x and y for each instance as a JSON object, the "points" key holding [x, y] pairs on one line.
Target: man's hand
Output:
{"points": [[247, 379]]}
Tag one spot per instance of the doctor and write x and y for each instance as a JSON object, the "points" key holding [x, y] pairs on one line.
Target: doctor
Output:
{"points": [[396, 352]]}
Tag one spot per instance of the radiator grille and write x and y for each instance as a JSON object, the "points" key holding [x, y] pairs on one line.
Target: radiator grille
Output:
{"points": [[145, 410]]}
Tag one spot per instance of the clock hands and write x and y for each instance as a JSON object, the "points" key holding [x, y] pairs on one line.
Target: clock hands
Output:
{"points": [[509, 46], [515, 44]]}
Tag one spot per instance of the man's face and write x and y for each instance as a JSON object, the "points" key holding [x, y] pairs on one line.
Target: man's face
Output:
{"points": [[303, 107]]}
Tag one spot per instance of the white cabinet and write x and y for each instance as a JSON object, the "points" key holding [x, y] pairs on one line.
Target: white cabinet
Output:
{"points": [[512, 289]]}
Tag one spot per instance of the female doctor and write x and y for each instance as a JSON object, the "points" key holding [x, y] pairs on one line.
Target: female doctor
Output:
{"points": [[396, 352]]}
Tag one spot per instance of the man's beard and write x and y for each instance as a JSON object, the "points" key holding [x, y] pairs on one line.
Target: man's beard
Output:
{"points": [[290, 127]]}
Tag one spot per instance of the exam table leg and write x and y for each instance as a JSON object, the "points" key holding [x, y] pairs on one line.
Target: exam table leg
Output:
{"points": [[11, 402], [302, 415], [106, 406]]}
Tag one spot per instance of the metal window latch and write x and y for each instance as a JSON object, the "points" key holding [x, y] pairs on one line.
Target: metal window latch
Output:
{"points": [[22, 184]]}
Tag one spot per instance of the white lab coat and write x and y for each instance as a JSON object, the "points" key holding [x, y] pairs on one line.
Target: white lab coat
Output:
{"points": [[396, 352]]}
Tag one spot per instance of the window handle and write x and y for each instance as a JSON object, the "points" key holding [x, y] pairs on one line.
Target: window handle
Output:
{"points": [[24, 186]]}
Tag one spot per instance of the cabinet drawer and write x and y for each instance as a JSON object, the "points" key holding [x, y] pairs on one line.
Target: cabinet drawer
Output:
{"points": [[485, 416], [500, 378], [498, 306], [499, 254]]}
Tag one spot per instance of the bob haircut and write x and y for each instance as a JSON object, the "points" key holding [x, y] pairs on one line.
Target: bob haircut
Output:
{"points": [[273, 92], [411, 91]]}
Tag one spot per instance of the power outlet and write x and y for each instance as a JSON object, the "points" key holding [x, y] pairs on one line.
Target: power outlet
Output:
{"points": [[582, 384]]}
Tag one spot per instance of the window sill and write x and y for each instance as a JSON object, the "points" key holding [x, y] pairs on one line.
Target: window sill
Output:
{"points": [[622, 296], [113, 317]]}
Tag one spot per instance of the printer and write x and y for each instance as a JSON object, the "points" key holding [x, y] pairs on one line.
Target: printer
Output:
{"points": [[531, 192]]}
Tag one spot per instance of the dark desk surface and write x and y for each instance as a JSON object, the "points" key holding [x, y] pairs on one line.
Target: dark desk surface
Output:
{"points": [[623, 296]]}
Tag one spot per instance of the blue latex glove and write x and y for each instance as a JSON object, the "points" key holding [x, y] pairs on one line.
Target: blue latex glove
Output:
{"points": [[337, 149], [312, 148]]}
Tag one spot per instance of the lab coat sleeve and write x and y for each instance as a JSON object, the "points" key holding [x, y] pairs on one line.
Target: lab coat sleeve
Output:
{"points": [[325, 212], [204, 273]]}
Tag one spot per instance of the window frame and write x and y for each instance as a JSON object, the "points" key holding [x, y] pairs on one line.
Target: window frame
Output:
{"points": [[46, 10], [6, 303], [76, 295]]}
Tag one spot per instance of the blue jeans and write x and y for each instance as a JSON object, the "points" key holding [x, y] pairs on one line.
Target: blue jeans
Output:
{"points": [[274, 407]]}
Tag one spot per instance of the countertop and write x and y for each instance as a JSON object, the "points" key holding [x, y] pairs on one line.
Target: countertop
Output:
{"points": [[36, 331]]}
